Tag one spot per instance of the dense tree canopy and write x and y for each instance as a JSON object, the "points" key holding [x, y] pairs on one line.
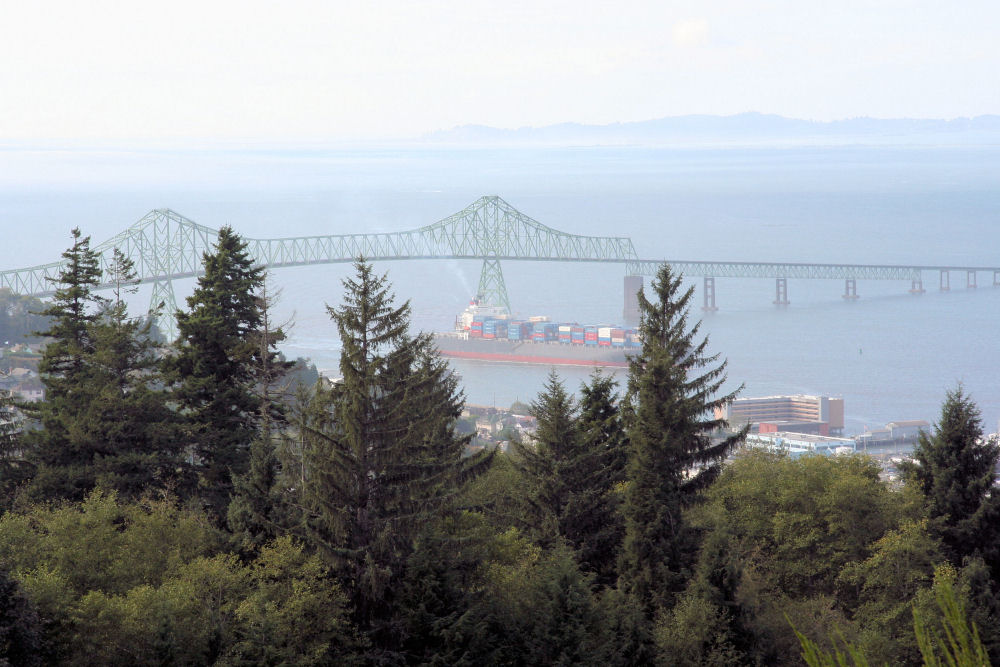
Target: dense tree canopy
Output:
{"points": [[624, 531]]}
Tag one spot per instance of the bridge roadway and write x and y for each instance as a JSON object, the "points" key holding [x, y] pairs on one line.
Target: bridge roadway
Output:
{"points": [[165, 246]]}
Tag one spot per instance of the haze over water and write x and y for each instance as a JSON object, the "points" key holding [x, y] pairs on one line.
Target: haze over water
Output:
{"points": [[890, 354]]}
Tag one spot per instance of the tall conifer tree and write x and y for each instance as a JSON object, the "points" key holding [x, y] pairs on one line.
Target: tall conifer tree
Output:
{"points": [[386, 457], [954, 468], [102, 423], [257, 513], [572, 463], [673, 391], [214, 368], [62, 454]]}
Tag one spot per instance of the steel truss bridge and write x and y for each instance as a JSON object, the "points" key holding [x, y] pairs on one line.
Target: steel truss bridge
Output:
{"points": [[166, 246]]}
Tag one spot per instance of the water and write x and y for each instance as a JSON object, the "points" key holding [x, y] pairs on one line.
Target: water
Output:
{"points": [[890, 354]]}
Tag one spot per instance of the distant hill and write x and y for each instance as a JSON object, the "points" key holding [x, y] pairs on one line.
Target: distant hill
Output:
{"points": [[744, 128]]}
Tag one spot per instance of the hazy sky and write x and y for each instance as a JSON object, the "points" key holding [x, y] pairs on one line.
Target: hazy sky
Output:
{"points": [[284, 71]]}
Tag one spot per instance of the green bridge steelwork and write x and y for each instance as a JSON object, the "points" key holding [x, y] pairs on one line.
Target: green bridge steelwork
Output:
{"points": [[165, 246]]}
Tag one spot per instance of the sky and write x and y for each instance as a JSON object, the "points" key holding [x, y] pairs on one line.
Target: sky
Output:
{"points": [[154, 72]]}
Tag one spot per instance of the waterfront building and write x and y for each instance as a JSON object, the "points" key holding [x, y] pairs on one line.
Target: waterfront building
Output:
{"points": [[800, 444], [799, 413]]}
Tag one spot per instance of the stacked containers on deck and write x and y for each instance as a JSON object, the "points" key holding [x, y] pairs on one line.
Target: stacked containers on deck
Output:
{"points": [[545, 332], [494, 328], [565, 331], [519, 330], [489, 328], [476, 329], [617, 337], [538, 332], [577, 335], [604, 336], [590, 334]]}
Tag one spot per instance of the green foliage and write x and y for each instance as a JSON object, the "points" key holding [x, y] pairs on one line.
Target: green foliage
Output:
{"points": [[672, 392], [14, 469], [257, 512], [901, 565], [776, 535], [293, 612], [520, 408], [121, 583], [475, 597], [214, 368], [20, 627], [380, 454], [954, 469], [544, 460], [63, 368], [695, 632], [102, 422], [572, 465], [950, 639], [960, 644], [801, 520]]}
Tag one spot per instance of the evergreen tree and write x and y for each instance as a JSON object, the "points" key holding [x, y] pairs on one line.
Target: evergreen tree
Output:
{"points": [[102, 422], [573, 464], [140, 443], [256, 513], [62, 454], [14, 470], [597, 529], [954, 469], [385, 458], [213, 369], [545, 458], [672, 393]]}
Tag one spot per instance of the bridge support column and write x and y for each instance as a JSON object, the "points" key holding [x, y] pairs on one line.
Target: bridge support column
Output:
{"points": [[970, 279], [781, 291], [945, 280], [633, 285], [996, 278], [492, 289], [916, 286], [162, 306], [708, 301], [850, 288]]}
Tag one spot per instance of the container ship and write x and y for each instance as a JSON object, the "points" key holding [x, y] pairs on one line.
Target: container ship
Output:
{"points": [[487, 333]]}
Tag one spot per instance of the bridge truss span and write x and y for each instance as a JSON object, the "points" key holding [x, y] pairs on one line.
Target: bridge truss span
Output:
{"points": [[165, 246], [780, 270]]}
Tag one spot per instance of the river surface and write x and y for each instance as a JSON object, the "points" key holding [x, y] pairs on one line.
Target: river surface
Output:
{"points": [[890, 354]]}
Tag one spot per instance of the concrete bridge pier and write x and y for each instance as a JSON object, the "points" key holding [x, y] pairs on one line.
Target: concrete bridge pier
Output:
{"points": [[996, 278], [850, 288], [781, 291], [708, 303], [917, 286], [945, 280], [633, 285], [970, 279]]}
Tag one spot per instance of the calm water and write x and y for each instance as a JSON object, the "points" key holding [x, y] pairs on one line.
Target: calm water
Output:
{"points": [[891, 355]]}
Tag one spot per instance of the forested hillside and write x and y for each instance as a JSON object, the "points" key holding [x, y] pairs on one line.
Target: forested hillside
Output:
{"points": [[185, 505]]}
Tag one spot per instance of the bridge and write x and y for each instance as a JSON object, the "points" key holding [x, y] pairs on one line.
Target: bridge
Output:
{"points": [[166, 246]]}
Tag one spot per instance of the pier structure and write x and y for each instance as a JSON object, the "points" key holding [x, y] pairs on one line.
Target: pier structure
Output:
{"points": [[783, 272], [166, 246]]}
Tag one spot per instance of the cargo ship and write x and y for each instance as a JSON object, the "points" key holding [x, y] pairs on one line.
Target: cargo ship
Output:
{"points": [[487, 333]]}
